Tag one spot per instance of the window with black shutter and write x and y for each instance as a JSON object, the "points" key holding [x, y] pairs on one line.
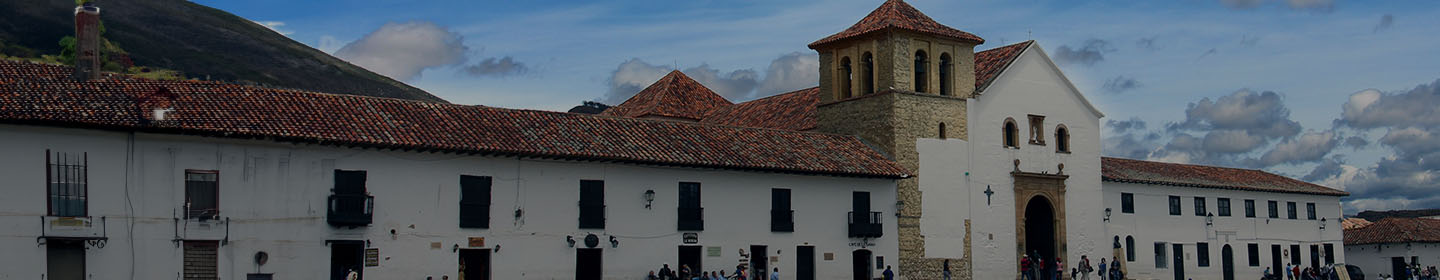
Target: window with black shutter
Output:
{"points": [[1274, 210], [1254, 250], [1202, 254], [1249, 208], [1129, 248], [1329, 254], [592, 204], [350, 205], [1290, 210], [690, 216], [1200, 206], [1127, 203], [782, 218], [67, 183], [1174, 205], [1223, 206], [1310, 211], [202, 194], [475, 201]]}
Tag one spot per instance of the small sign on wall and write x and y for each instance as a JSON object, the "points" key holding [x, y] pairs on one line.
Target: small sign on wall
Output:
{"points": [[829, 256], [477, 242], [691, 238], [712, 251], [372, 257]]}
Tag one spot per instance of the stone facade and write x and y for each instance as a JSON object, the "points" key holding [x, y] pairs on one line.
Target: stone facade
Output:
{"points": [[894, 117]]}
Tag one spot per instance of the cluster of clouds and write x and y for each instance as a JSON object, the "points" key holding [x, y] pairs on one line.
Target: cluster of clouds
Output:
{"points": [[1254, 130], [786, 73], [404, 50], [1310, 5]]}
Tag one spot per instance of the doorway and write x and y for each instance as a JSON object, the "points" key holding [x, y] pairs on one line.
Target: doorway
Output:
{"points": [[1275, 259], [347, 256], [1314, 256], [759, 262], [588, 263], [1397, 268], [690, 257], [805, 262], [474, 264], [1227, 262], [861, 264], [1040, 230], [1179, 261], [65, 259]]}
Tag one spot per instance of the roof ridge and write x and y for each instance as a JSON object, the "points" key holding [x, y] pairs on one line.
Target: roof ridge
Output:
{"points": [[1195, 164], [780, 94]]}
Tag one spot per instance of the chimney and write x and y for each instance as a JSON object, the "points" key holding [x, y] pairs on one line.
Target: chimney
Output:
{"points": [[87, 42]]}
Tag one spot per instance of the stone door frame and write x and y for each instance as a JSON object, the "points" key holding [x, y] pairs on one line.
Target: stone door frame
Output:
{"points": [[1052, 188]]}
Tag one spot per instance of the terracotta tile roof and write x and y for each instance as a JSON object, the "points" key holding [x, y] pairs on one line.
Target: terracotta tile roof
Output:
{"points": [[1395, 230], [1201, 176], [789, 111], [675, 95], [897, 14], [989, 63], [35, 94], [1354, 223]]}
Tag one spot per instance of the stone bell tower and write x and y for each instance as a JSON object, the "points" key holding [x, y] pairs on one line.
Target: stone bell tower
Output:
{"points": [[892, 78]]}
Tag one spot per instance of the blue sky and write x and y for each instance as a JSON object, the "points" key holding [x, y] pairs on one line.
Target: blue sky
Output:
{"points": [[1245, 83]]}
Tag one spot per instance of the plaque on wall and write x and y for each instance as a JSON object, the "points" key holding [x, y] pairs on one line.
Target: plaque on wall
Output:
{"points": [[712, 251], [691, 238], [477, 242], [372, 257]]}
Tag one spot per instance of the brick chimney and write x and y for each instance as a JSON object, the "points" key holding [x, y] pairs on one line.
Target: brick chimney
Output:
{"points": [[87, 42]]}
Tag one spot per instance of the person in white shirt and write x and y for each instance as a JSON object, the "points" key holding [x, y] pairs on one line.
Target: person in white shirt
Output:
{"points": [[775, 275]]}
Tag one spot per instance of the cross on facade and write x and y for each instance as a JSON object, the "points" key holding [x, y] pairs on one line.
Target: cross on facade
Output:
{"points": [[988, 193]]}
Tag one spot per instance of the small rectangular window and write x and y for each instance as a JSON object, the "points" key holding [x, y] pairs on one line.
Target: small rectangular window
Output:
{"points": [[592, 204], [1274, 210], [67, 181], [202, 194], [1200, 206], [1254, 252], [1160, 259], [1310, 210], [1223, 206], [690, 216], [1290, 210], [1329, 254], [475, 201], [1127, 203], [1202, 254], [1174, 205], [782, 218], [1249, 208], [1295, 254]]}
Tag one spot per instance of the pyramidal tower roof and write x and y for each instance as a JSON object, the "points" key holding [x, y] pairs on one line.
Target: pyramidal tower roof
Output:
{"points": [[899, 15], [675, 95]]}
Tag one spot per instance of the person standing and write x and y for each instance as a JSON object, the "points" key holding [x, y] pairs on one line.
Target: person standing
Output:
{"points": [[1085, 267], [1025, 268], [1289, 274], [945, 272], [1103, 271], [1059, 269], [889, 275], [775, 275], [665, 273]]}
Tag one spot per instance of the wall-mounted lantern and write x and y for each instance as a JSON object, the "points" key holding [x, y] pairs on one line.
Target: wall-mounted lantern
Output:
{"points": [[649, 198], [570, 240], [1107, 214], [614, 243], [1209, 219], [1322, 223]]}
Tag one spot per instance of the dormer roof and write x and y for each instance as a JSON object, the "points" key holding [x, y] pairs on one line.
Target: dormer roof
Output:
{"points": [[899, 15], [674, 96]]}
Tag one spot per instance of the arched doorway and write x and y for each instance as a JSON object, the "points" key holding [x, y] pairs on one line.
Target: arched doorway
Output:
{"points": [[1227, 262], [861, 259], [1040, 232]]}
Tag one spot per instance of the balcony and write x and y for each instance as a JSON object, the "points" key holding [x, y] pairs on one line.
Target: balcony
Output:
{"points": [[350, 210], [866, 226], [690, 219], [782, 220]]}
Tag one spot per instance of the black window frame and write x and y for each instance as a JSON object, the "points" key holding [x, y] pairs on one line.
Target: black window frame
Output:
{"points": [[1130, 248], [1222, 206], [1310, 211], [690, 207], [476, 194], [1127, 203], [63, 194], [1253, 251], [1202, 254], [1290, 211], [1249, 208], [1329, 253], [1274, 209], [1200, 207], [195, 193], [592, 204], [1162, 258], [946, 71], [922, 71], [782, 213], [1175, 205]]}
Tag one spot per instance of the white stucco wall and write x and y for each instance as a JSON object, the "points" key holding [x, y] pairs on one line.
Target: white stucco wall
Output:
{"points": [[274, 195], [1153, 223], [1374, 259], [1031, 85]]}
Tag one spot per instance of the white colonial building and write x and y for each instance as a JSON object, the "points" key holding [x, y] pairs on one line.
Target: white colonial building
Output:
{"points": [[1390, 245], [915, 153]]}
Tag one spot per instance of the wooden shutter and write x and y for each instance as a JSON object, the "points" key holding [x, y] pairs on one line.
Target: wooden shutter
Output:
{"points": [[200, 260], [475, 201], [349, 181]]}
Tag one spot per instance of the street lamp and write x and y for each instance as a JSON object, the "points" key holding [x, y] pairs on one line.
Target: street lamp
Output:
{"points": [[649, 198], [1209, 219], [1107, 214], [1322, 223]]}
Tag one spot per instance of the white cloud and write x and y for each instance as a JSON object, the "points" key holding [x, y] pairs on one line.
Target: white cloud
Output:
{"points": [[402, 50], [329, 44], [275, 26], [790, 72]]}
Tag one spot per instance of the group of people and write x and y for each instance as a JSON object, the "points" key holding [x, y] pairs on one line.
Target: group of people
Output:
{"points": [[685, 273], [1296, 272], [1034, 267], [1414, 272]]}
